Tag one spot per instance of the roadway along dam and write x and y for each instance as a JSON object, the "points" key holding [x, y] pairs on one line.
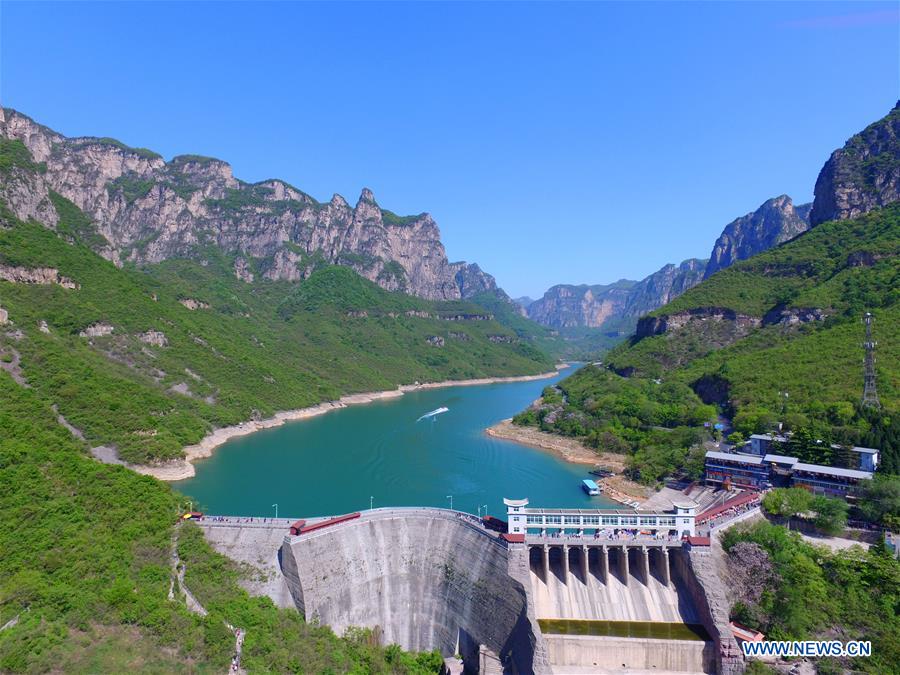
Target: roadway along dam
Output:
{"points": [[430, 578]]}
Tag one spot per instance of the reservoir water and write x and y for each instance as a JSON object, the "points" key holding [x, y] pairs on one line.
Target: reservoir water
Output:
{"points": [[336, 462]]}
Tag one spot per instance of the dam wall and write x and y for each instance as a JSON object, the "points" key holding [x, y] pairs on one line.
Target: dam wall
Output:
{"points": [[257, 546], [426, 578], [698, 575], [589, 653]]}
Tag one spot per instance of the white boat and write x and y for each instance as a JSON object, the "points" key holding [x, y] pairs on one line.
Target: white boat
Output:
{"points": [[433, 413], [590, 487]]}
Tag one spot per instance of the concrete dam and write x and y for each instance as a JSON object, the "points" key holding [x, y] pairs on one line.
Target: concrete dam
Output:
{"points": [[437, 579]]}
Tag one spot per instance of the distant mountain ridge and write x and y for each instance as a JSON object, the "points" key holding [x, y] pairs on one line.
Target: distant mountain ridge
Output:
{"points": [[601, 306], [147, 210]]}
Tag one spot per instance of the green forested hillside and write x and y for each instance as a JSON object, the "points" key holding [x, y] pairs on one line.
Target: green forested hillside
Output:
{"points": [[167, 374], [85, 552], [760, 367]]}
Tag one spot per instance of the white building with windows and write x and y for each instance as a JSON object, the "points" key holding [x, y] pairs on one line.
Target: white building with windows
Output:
{"points": [[677, 521]]}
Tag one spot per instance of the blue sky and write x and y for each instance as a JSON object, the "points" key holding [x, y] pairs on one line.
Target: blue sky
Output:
{"points": [[553, 143]]}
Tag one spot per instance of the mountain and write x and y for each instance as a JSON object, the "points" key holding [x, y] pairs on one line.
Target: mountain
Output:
{"points": [[567, 306], [476, 284], [662, 286], [787, 320], [523, 301], [600, 306], [861, 176], [773, 223], [147, 210]]}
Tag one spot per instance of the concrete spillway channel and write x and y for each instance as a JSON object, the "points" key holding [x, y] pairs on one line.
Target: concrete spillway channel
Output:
{"points": [[436, 579]]}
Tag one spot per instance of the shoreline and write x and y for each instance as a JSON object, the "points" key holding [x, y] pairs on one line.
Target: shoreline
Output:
{"points": [[182, 469], [616, 487]]}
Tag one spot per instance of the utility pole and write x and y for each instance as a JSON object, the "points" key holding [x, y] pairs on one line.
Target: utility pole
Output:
{"points": [[276, 510], [870, 394]]}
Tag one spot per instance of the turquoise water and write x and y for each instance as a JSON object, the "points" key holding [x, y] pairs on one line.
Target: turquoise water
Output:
{"points": [[335, 462]]}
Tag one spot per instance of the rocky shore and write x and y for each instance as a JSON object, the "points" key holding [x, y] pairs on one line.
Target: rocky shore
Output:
{"points": [[616, 487], [182, 469], [569, 449]]}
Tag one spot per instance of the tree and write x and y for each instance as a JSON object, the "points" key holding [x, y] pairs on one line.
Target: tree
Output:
{"points": [[831, 514], [787, 502], [736, 438], [880, 502]]}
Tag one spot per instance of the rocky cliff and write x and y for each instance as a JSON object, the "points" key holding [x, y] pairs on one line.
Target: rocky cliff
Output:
{"points": [[566, 306], [473, 281], [773, 223], [663, 285], [148, 210], [861, 176]]}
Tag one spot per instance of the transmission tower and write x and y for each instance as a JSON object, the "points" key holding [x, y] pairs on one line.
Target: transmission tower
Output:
{"points": [[870, 394]]}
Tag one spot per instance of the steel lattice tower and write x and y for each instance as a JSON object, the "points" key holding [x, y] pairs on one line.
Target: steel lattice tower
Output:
{"points": [[870, 394]]}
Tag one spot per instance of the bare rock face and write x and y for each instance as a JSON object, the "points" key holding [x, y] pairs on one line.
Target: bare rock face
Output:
{"points": [[861, 176], [242, 270], [773, 223], [741, 324], [4, 317], [35, 275], [150, 210], [154, 337], [97, 330], [192, 303], [663, 286], [566, 306], [473, 281]]}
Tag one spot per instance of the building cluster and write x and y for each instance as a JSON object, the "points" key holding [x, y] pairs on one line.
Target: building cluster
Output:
{"points": [[757, 465]]}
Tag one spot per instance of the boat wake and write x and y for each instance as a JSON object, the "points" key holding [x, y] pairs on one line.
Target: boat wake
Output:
{"points": [[433, 413]]}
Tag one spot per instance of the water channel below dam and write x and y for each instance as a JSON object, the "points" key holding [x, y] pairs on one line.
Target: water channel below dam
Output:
{"points": [[336, 462]]}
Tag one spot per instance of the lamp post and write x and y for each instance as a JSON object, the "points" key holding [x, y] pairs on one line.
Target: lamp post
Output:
{"points": [[276, 510], [371, 502], [450, 497], [485, 509]]}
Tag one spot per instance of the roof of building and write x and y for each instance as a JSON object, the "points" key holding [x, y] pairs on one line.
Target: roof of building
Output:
{"points": [[832, 471], [698, 541], [729, 457], [515, 502], [866, 451], [591, 484], [770, 437], [780, 459], [513, 538]]}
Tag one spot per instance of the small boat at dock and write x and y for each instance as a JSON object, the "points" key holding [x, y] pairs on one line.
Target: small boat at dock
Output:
{"points": [[590, 487]]}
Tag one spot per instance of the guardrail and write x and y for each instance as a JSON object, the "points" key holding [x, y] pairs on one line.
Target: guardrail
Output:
{"points": [[603, 541]]}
